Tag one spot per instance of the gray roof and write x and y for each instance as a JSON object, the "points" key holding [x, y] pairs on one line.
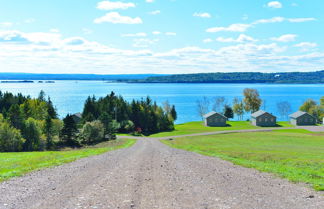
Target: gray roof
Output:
{"points": [[213, 113], [259, 113], [77, 115], [298, 114]]}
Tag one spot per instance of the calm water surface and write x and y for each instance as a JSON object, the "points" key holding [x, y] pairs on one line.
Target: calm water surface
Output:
{"points": [[69, 96]]}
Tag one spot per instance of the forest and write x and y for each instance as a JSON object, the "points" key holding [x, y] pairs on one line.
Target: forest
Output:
{"points": [[239, 77], [32, 124]]}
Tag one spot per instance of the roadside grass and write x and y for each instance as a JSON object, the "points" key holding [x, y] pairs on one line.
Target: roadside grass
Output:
{"points": [[199, 127], [292, 154], [17, 164]]}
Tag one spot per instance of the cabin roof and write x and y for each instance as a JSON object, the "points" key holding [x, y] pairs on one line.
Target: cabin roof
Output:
{"points": [[299, 114], [213, 113], [260, 113]]}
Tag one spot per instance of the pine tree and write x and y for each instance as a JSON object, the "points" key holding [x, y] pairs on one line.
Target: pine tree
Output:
{"points": [[174, 113], [69, 131], [228, 112]]}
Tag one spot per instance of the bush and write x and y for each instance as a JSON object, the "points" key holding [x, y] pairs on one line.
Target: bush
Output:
{"points": [[127, 126], [10, 139], [32, 133], [92, 132]]}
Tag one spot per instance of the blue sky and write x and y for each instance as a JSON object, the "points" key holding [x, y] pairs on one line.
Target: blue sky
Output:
{"points": [[161, 36]]}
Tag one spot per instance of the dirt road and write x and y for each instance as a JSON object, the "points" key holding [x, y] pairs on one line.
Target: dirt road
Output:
{"points": [[152, 175]]}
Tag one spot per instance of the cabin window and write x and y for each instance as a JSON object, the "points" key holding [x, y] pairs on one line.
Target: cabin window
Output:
{"points": [[272, 119], [265, 119]]}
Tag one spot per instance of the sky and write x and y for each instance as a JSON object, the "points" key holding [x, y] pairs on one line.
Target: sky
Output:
{"points": [[161, 36]]}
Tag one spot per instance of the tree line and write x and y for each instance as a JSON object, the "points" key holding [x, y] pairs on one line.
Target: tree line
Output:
{"points": [[237, 77], [252, 102], [32, 124]]}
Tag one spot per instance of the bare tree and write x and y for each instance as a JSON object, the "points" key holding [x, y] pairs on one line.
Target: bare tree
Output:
{"points": [[166, 106], [284, 108], [238, 108], [203, 106], [219, 104]]}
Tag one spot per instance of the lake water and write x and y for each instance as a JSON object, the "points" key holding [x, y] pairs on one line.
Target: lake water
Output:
{"points": [[69, 96]]}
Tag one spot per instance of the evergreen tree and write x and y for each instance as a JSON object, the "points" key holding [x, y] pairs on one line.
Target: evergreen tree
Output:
{"points": [[41, 96], [15, 117], [51, 111], [48, 129], [174, 113], [69, 131], [228, 112]]}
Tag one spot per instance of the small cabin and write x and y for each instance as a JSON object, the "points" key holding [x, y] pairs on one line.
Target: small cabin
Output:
{"points": [[301, 118], [214, 119], [77, 117], [263, 119]]}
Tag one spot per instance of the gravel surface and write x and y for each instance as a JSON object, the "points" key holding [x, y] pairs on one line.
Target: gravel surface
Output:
{"points": [[152, 175]]}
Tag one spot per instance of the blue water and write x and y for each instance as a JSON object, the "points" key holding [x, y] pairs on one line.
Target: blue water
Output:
{"points": [[69, 96]]}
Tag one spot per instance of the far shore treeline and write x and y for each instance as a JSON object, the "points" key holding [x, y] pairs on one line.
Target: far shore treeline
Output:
{"points": [[237, 77], [32, 124]]}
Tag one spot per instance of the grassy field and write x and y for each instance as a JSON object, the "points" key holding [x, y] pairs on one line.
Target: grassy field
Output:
{"points": [[297, 155], [199, 127], [17, 164]]}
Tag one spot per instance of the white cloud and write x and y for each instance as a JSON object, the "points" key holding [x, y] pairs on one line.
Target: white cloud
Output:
{"points": [[285, 38], [208, 40], [275, 4], [144, 42], [240, 39], [306, 46], [239, 27], [155, 12], [298, 20], [54, 30], [30, 20], [109, 5], [270, 20], [156, 32], [170, 34], [134, 35], [116, 18], [149, 1], [6, 24], [77, 55], [202, 15], [232, 28]]}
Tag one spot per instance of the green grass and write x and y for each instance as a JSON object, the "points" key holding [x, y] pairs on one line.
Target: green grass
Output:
{"points": [[292, 154], [199, 127], [17, 164]]}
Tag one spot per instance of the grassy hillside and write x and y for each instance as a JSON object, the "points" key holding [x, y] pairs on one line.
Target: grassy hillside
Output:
{"points": [[199, 127], [293, 154], [17, 164]]}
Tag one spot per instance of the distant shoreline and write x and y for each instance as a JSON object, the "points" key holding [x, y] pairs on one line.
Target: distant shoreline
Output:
{"points": [[199, 78]]}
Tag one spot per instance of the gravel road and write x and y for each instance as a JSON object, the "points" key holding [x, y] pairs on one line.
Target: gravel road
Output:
{"points": [[152, 175]]}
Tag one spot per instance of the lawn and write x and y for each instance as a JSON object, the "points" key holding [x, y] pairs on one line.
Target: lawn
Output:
{"points": [[199, 127], [295, 155], [17, 164]]}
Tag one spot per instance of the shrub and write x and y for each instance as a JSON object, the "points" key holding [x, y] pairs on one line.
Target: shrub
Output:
{"points": [[10, 139], [32, 133], [92, 132]]}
